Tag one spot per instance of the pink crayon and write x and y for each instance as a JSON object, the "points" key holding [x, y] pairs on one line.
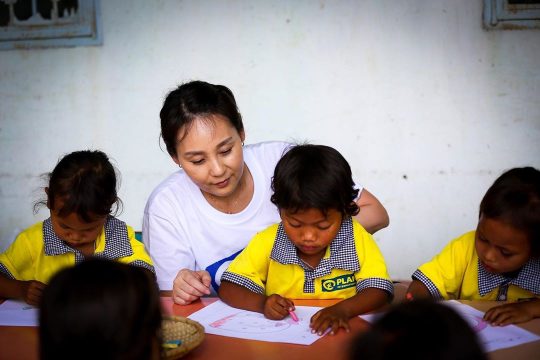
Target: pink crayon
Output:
{"points": [[293, 315]]}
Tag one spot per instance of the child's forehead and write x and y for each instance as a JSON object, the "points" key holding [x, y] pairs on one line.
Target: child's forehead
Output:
{"points": [[75, 218], [311, 214], [76, 222], [502, 233]]}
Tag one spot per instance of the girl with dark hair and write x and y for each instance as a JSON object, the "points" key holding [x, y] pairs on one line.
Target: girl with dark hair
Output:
{"points": [[82, 199], [317, 251], [199, 218], [498, 261]]}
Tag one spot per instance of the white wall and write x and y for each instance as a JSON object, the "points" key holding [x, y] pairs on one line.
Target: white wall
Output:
{"points": [[428, 108]]}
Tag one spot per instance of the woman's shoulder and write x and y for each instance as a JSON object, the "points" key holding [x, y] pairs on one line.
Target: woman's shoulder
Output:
{"points": [[265, 154], [174, 185], [268, 148]]}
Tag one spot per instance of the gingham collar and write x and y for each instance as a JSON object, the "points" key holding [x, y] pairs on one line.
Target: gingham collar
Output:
{"points": [[117, 243], [342, 251], [528, 278]]}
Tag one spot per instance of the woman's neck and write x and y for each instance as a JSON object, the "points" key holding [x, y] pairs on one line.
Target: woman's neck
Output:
{"points": [[238, 200]]}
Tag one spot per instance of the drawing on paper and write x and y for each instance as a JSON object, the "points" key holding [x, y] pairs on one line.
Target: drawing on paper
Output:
{"points": [[477, 323], [252, 323]]}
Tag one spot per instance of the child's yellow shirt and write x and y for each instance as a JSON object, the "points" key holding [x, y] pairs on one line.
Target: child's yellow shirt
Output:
{"points": [[38, 253], [270, 265], [456, 273]]}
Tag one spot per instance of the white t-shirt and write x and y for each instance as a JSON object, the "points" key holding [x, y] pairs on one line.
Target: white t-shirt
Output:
{"points": [[182, 230]]}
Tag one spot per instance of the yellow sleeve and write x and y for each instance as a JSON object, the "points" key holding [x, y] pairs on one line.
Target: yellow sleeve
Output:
{"points": [[373, 271], [140, 256], [446, 270], [250, 267], [19, 258]]}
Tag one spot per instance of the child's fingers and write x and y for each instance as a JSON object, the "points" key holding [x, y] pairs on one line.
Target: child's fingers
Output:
{"points": [[500, 319], [277, 307], [320, 326], [500, 315], [340, 323], [285, 304], [492, 314], [290, 305]]}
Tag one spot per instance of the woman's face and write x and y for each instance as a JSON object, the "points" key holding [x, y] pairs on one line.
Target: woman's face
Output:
{"points": [[210, 152]]}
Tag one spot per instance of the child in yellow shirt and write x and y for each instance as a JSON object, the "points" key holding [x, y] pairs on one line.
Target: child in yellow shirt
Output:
{"points": [[498, 261], [317, 251], [80, 195]]}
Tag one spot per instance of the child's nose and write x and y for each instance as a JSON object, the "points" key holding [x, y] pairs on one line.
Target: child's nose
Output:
{"points": [[309, 235], [490, 255]]}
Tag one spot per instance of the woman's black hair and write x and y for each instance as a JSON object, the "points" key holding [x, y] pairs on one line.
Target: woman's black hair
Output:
{"points": [[420, 330], [514, 198], [100, 309], [85, 183], [196, 99], [314, 176]]}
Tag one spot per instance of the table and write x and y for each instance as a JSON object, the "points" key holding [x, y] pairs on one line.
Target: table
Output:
{"points": [[22, 342]]}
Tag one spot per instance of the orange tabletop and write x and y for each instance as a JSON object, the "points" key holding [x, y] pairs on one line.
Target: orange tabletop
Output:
{"points": [[22, 342]]}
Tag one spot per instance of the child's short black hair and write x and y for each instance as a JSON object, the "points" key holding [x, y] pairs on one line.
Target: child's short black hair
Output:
{"points": [[314, 176], [85, 181], [420, 329], [514, 198], [100, 309], [193, 99]]}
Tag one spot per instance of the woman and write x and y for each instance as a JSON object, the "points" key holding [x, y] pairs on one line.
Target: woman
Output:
{"points": [[199, 218]]}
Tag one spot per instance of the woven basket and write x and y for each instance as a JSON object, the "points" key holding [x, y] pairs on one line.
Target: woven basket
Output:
{"points": [[189, 332]]}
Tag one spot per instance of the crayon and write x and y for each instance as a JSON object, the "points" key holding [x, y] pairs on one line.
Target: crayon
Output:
{"points": [[293, 315]]}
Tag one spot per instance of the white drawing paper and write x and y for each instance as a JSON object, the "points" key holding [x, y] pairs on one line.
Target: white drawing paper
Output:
{"points": [[220, 319], [18, 313], [492, 337]]}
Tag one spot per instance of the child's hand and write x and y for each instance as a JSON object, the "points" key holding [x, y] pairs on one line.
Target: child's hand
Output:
{"points": [[32, 292], [277, 307], [332, 317], [512, 313]]}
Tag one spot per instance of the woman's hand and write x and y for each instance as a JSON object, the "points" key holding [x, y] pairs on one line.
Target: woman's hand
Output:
{"points": [[277, 307], [333, 318], [190, 285]]}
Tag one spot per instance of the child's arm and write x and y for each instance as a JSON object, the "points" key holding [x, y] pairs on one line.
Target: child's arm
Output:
{"points": [[338, 315], [29, 291], [372, 215], [513, 313], [417, 290], [273, 307]]}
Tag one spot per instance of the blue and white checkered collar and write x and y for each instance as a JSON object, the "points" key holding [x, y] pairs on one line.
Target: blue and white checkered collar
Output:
{"points": [[342, 250], [117, 243], [528, 278]]}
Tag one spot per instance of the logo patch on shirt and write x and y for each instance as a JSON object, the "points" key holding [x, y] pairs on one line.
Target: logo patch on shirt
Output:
{"points": [[338, 283]]}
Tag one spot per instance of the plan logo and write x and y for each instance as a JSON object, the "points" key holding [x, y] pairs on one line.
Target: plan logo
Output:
{"points": [[338, 283]]}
